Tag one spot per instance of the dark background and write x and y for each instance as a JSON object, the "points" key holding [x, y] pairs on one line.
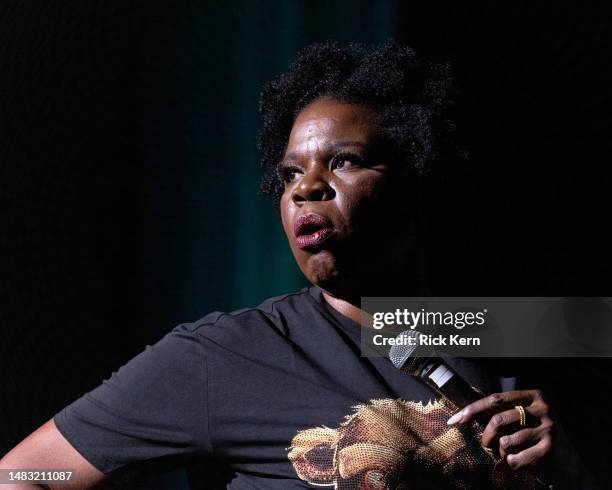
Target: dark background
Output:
{"points": [[128, 176]]}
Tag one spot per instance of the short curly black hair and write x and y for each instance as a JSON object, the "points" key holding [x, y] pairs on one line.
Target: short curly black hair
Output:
{"points": [[411, 95]]}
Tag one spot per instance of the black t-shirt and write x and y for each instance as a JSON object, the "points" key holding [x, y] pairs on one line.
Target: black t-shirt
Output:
{"points": [[280, 396]]}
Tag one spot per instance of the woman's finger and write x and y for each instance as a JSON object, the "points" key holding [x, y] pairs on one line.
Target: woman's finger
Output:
{"points": [[515, 440], [531, 455], [495, 403], [501, 423]]}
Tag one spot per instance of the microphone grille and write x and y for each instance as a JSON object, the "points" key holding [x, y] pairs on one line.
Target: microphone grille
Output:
{"points": [[403, 348]]}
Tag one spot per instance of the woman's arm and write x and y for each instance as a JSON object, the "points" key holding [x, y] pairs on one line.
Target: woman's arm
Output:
{"points": [[151, 411], [47, 449]]}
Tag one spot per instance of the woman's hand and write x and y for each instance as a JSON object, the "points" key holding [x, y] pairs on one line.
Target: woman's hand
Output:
{"points": [[520, 446]]}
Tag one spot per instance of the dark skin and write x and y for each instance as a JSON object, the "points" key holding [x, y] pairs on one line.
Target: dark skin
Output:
{"points": [[334, 168]]}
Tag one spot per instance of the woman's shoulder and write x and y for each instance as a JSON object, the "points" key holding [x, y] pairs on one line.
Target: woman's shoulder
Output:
{"points": [[270, 320]]}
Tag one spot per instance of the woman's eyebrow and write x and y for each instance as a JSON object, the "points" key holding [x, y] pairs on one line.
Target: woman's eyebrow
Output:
{"points": [[333, 148], [343, 144]]}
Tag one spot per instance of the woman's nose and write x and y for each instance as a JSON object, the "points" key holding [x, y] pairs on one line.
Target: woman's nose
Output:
{"points": [[313, 186]]}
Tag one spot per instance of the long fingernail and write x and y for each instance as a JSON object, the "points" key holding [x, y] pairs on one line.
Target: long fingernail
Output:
{"points": [[455, 418]]}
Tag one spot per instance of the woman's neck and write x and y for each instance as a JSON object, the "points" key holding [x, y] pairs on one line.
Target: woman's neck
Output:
{"points": [[345, 308], [348, 302]]}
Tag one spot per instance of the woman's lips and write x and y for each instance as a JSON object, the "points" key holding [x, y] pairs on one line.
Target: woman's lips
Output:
{"points": [[314, 239], [311, 230]]}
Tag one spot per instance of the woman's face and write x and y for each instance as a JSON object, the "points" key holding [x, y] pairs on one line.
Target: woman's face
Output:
{"points": [[337, 198]]}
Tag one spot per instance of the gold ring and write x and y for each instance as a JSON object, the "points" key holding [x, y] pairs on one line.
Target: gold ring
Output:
{"points": [[522, 416]]}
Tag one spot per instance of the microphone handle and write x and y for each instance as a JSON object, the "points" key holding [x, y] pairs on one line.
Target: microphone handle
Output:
{"points": [[445, 381]]}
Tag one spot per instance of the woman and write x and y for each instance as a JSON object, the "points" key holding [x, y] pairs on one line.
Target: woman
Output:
{"points": [[279, 394]]}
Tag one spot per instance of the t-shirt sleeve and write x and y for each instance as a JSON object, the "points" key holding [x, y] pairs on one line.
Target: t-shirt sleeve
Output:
{"points": [[153, 407]]}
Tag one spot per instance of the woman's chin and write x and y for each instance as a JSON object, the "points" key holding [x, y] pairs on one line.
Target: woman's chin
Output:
{"points": [[340, 278], [321, 269]]}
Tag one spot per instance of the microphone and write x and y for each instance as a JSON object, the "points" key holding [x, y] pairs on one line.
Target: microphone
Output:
{"points": [[416, 360]]}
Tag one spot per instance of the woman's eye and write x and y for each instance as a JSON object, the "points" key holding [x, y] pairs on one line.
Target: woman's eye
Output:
{"points": [[345, 162], [289, 174]]}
